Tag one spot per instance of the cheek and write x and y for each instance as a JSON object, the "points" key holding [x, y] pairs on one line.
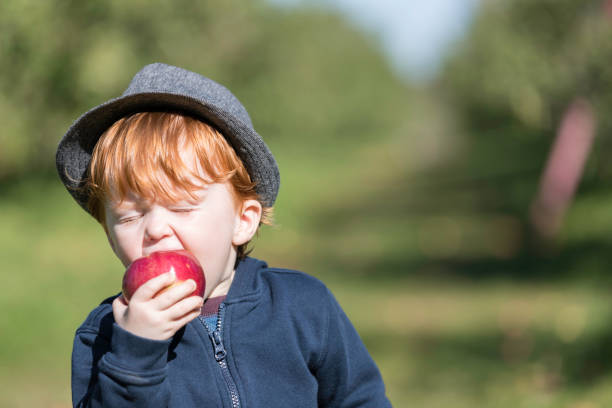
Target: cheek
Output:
{"points": [[218, 219], [125, 245], [210, 231], [210, 238]]}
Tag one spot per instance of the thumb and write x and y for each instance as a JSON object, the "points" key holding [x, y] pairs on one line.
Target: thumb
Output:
{"points": [[119, 306]]}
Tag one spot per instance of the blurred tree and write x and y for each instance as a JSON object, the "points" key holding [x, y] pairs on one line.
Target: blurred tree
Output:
{"points": [[303, 76], [511, 81], [525, 60], [492, 118]]}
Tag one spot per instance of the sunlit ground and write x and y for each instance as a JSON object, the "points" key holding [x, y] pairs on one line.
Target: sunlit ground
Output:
{"points": [[439, 342]]}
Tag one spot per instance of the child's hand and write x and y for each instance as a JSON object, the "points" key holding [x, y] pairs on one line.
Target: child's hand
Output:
{"points": [[158, 317]]}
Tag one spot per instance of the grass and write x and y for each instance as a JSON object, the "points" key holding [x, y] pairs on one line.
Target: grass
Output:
{"points": [[439, 341], [460, 344]]}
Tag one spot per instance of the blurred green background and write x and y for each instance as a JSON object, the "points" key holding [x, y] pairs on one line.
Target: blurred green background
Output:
{"points": [[413, 201]]}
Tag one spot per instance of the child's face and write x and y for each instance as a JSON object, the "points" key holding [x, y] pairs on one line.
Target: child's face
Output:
{"points": [[209, 227]]}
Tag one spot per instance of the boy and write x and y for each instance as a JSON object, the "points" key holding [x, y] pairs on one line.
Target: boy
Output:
{"points": [[175, 164]]}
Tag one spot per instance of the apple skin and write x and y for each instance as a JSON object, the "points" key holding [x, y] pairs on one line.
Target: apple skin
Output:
{"points": [[143, 269]]}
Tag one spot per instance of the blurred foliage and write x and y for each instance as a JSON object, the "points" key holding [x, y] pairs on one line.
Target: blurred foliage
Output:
{"points": [[318, 91], [403, 199], [524, 61], [439, 342], [449, 189], [64, 56], [508, 83]]}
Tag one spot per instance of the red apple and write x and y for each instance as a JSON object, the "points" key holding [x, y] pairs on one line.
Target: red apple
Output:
{"points": [[142, 269]]}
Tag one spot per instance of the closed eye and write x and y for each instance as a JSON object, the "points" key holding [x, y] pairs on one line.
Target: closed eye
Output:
{"points": [[183, 210], [128, 219]]}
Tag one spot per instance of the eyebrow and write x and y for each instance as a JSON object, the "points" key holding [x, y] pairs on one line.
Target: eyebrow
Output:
{"points": [[121, 205], [128, 205]]}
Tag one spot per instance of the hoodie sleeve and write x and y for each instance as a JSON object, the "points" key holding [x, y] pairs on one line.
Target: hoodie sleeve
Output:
{"points": [[347, 375], [114, 368]]}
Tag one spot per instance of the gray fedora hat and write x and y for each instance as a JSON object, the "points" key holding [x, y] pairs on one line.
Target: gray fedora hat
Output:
{"points": [[161, 87]]}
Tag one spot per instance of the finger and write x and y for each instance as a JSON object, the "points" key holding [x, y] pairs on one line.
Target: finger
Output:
{"points": [[149, 289], [119, 306], [174, 293], [186, 306], [186, 319]]}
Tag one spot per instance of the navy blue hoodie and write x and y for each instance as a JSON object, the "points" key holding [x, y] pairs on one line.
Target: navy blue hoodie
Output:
{"points": [[281, 340]]}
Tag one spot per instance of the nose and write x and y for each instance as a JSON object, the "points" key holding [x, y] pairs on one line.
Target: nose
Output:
{"points": [[157, 226]]}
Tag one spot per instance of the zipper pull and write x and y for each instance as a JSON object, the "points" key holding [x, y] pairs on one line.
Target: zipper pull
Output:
{"points": [[220, 352]]}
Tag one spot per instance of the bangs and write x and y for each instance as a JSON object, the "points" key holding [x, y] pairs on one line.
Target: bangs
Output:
{"points": [[162, 157]]}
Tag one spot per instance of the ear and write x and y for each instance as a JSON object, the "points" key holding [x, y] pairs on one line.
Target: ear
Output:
{"points": [[247, 222]]}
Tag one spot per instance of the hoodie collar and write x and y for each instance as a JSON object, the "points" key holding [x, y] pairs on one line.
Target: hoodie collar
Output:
{"points": [[245, 286]]}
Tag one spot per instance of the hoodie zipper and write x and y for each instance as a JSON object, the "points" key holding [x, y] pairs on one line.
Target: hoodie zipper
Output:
{"points": [[221, 354]]}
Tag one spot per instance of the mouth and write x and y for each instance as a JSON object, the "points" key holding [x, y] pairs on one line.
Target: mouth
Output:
{"points": [[149, 251]]}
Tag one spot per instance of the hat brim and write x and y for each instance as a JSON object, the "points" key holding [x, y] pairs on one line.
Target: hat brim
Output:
{"points": [[76, 147]]}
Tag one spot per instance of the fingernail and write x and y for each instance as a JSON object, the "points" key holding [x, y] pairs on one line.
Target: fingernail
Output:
{"points": [[172, 273]]}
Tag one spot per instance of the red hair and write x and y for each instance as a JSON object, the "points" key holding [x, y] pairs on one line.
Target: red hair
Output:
{"points": [[144, 154]]}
